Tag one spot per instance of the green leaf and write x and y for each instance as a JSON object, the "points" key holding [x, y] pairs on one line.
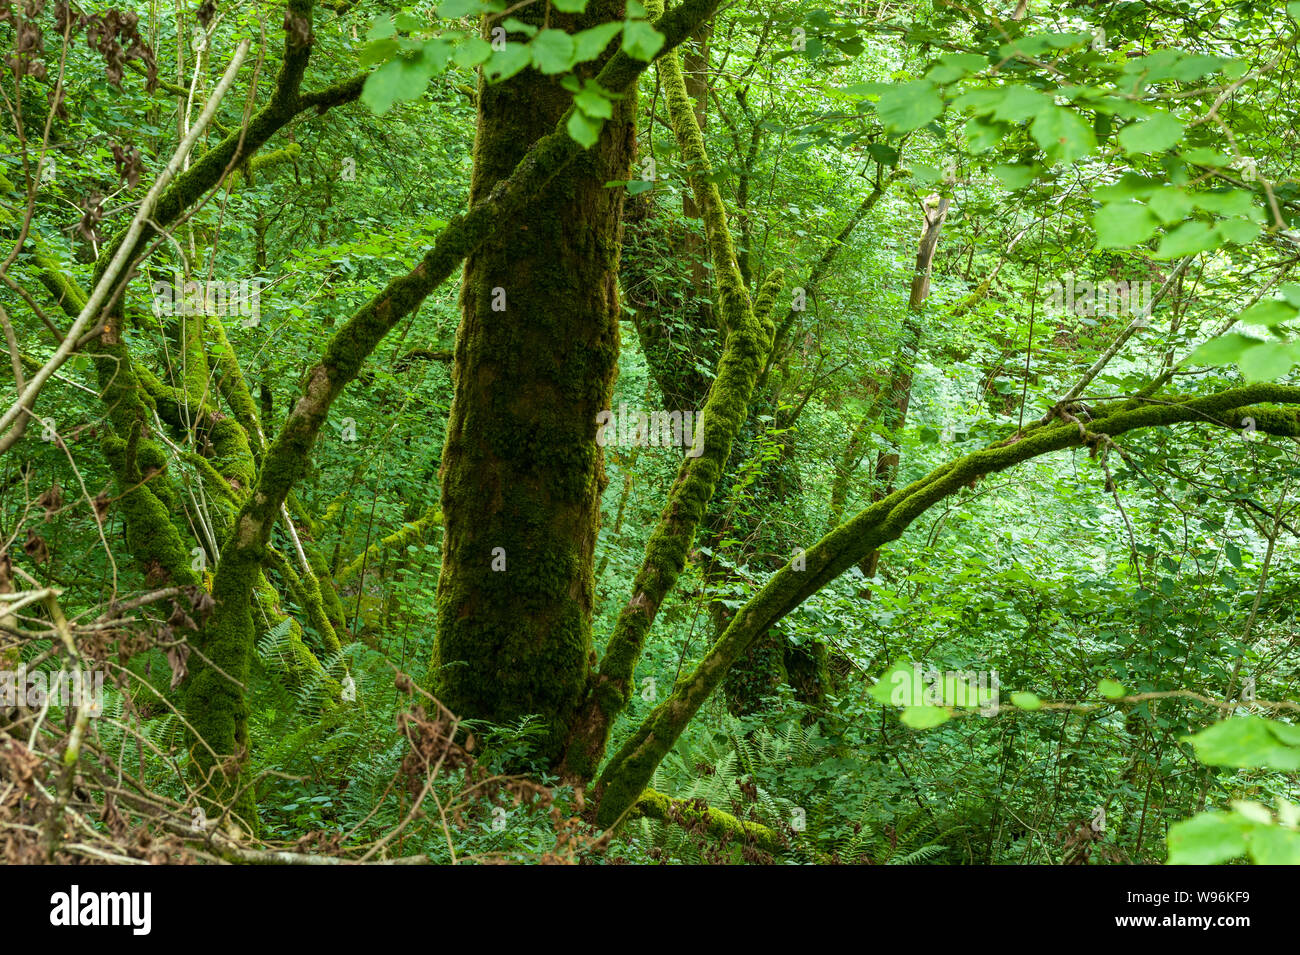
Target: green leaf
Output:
{"points": [[1267, 361], [408, 22], [1153, 135], [436, 54], [584, 129], [1130, 186], [924, 717], [641, 40], [508, 61], [1288, 813], [1274, 845], [1062, 134], [1256, 812], [1019, 103], [899, 686], [455, 9], [378, 51], [472, 52], [1205, 156], [1111, 689], [515, 25], [1248, 742], [909, 106], [953, 66], [859, 90], [382, 28], [1122, 224], [925, 173], [1224, 350], [1188, 239], [1013, 177], [1192, 67], [1027, 701], [883, 154], [1288, 733], [982, 101], [1230, 202], [554, 51], [569, 6], [398, 79], [1171, 204], [1210, 838], [981, 135], [1239, 231], [593, 104], [1233, 553], [1269, 313], [591, 43]]}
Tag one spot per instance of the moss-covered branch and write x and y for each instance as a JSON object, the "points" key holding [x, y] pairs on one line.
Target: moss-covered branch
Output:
{"points": [[629, 771], [165, 554], [262, 162], [412, 533], [321, 599], [301, 666], [697, 816]]}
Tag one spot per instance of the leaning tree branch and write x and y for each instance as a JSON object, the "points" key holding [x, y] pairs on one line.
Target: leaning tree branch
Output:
{"points": [[630, 770]]}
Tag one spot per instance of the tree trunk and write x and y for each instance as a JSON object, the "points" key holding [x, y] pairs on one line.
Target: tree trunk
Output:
{"points": [[536, 358], [695, 62]]}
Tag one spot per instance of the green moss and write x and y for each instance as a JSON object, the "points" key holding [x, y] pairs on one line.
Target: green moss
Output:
{"points": [[215, 700], [226, 442], [330, 601], [146, 508], [301, 666], [695, 815], [264, 162], [234, 388], [307, 592]]}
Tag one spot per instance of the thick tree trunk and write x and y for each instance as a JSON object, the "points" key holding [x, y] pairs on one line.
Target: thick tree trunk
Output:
{"points": [[522, 475]]}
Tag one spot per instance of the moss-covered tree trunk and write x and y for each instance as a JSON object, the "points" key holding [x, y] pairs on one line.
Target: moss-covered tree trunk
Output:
{"points": [[536, 357]]}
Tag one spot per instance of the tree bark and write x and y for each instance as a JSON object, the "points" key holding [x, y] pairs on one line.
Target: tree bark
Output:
{"points": [[536, 357]]}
